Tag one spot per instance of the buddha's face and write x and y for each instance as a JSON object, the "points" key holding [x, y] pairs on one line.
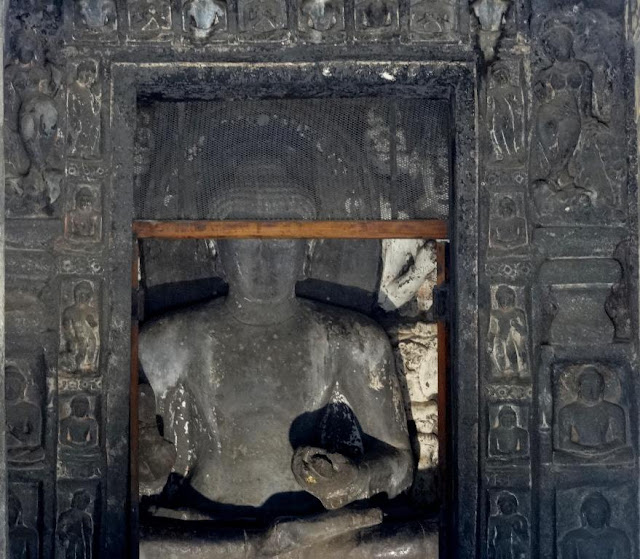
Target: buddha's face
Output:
{"points": [[591, 386], [263, 270], [595, 514], [508, 419]]}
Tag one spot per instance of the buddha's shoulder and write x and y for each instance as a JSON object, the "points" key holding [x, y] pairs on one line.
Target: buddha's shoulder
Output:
{"points": [[182, 322], [345, 323]]}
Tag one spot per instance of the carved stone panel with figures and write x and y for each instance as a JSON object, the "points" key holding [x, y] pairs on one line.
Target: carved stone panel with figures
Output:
{"points": [[591, 414], [78, 506], [95, 20], [84, 104], [80, 328], [508, 431], [508, 227], [79, 425], [24, 520], [83, 215], [508, 524], [433, 19]]}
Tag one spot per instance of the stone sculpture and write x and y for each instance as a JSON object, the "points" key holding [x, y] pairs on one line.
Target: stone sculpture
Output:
{"points": [[75, 528], [319, 422], [85, 104], [202, 18], [508, 530], [507, 340], [96, 15], [80, 331], [79, 429], [24, 421], [591, 424], [507, 229], [320, 15], [596, 539], [84, 221], [508, 439], [23, 540]]}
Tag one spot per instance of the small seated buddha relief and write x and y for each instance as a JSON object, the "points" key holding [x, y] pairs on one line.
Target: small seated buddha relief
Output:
{"points": [[278, 407]]}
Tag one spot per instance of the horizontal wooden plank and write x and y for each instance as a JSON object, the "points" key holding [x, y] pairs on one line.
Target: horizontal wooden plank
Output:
{"points": [[184, 229]]}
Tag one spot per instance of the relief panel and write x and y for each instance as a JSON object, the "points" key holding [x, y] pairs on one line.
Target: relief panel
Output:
{"points": [[619, 301], [321, 20], [76, 529], [204, 20], [80, 328], [591, 420], [433, 19], [508, 431], [24, 400], [94, 19], [376, 18], [83, 215], [149, 19], [84, 105], [23, 517], [262, 19], [507, 338], [79, 424], [508, 229], [508, 525], [595, 522]]}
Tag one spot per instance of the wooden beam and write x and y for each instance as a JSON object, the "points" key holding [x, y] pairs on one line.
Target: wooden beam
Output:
{"points": [[397, 229]]}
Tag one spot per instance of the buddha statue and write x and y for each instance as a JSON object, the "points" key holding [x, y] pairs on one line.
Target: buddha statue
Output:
{"points": [[278, 407]]}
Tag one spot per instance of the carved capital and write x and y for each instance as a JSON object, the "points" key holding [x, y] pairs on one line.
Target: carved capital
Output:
{"points": [[491, 16]]}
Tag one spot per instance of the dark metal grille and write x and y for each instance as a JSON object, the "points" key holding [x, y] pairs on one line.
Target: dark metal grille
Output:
{"points": [[332, 159]]}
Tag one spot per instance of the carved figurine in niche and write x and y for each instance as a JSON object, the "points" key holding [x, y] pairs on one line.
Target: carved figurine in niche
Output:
{"points": [[263, 16], [23, 540], [507, 439], [618, 303], [149, 17], [596, 539], [432, 17], [276, 405], [80, 428], [96, 15], [508, 228], [24, 421], [575, 163], [508, 530], [80, 331], [320, 15], [75, 528], [507, 339], [376, 14], [31, 127], [84, 221], [591, 424], [506, 114], [85, 104], [202, 18]]}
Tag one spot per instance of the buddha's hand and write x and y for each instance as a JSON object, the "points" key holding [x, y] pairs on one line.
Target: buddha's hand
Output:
{"points": [[333, 478]]}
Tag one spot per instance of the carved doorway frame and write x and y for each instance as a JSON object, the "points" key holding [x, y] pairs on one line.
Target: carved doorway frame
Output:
{"points": [[454, 81]]}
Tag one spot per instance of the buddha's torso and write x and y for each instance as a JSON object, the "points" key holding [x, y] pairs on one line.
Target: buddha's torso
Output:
{"points": [[237, 398]]}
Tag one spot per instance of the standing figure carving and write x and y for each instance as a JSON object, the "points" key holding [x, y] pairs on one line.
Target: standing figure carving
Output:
{"points": [[75, 528], [507, 340], [80, 331], [23, 540], [508, 530], [506, 114], [596, 539], [85, 104], [31, 125], [590, 424], [24, 421], [618, 303]]}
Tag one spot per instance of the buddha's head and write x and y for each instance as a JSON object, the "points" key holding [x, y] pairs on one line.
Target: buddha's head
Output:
{"points": [[505, 297], [264, 270], [84, 198], [595, 511], [80, 500], [80, 406], [507, 417], [507, 503], [558, 43], [83, 292], [590, 385]]}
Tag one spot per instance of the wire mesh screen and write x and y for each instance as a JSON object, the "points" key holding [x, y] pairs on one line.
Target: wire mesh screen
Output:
{"points": [[329, 159]]}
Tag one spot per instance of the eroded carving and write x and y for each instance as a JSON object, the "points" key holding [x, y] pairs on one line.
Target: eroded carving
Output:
{"points": [[507, 222], [590, 423], [577, 164], [508, 531], [321, 17], [80, 333], [491, 15], [618, 303], [203, 18], [262, 18], [429, 18], [83, 223], [507, 340], [23, 538], [506, 114], [507, 439], [149, 18], [79, 428], [596, 539], [95, 16], [75, 527], [31, 128], [85, 107], [376, 16], [24, 419]]}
